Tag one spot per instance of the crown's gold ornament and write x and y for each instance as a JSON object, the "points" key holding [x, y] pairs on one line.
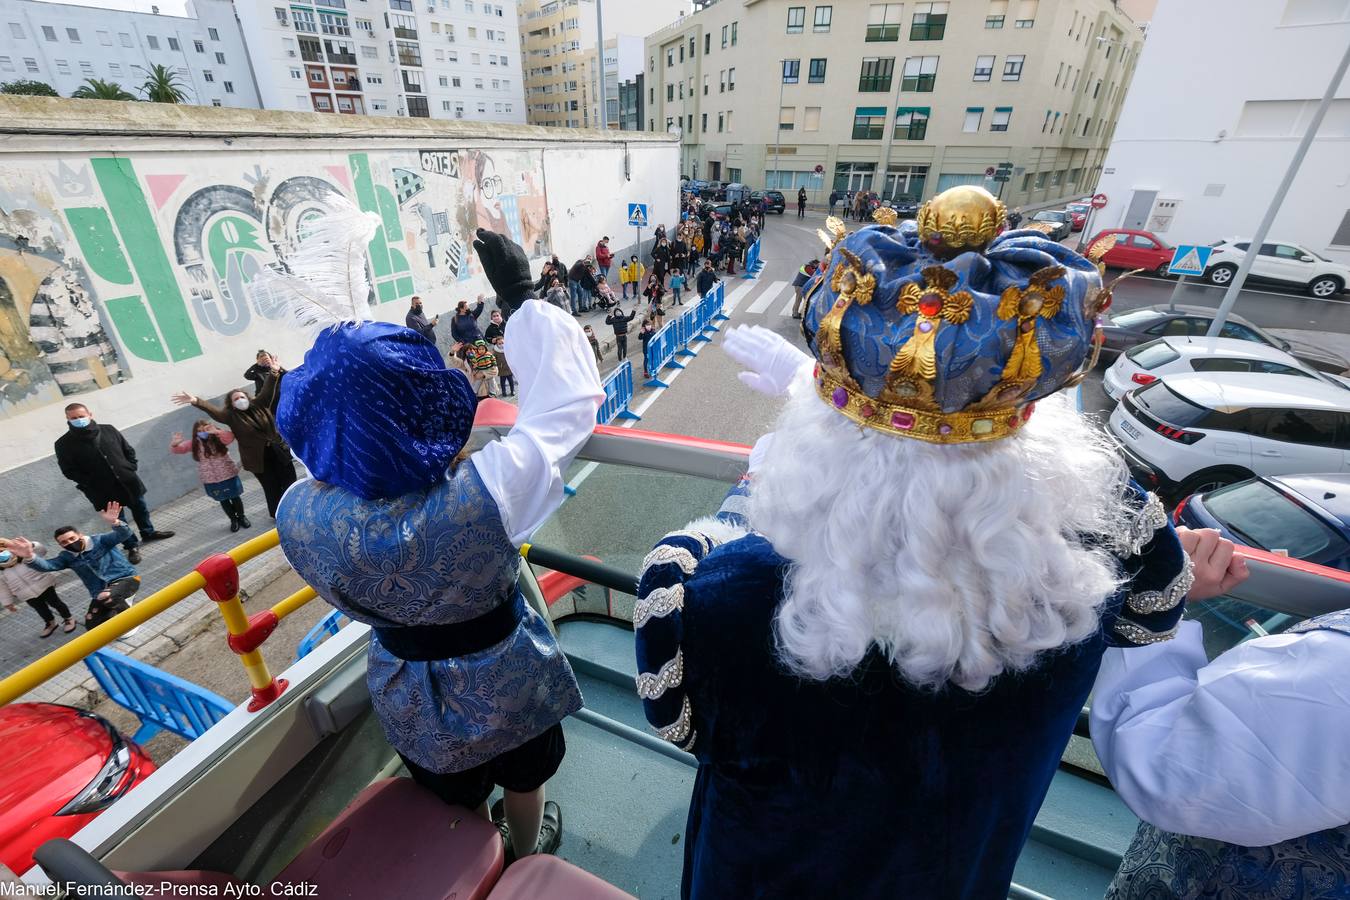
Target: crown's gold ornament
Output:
{"points": [[835, 231], [884, 215], [935, 304], [960, 219], [852, 283], [1039, 299]]}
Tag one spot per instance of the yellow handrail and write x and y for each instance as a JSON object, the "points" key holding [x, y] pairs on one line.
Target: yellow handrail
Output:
{"points": [[67, 655]]}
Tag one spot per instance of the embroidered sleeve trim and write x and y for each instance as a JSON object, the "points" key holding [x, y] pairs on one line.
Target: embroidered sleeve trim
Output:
{"points": [[664, 554], [681, 731], [1140, 636], [658, 602], [1148, 520], [1146, 602], [652, 687]]}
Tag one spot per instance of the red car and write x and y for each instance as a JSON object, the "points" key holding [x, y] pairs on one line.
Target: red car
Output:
{"points": [[1135, 250], [59, 768], [1078, 213]]}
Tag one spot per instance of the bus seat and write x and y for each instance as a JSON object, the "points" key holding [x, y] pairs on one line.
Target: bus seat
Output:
{"points": [[397, 839], [542, 877]]}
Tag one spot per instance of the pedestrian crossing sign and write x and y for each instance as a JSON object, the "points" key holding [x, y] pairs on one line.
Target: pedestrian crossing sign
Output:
{"points": [[1189, 259], [637, 214]]}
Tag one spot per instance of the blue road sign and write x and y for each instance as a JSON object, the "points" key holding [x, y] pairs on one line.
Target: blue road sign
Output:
{"points": [[637, 214], [1189, 259]]}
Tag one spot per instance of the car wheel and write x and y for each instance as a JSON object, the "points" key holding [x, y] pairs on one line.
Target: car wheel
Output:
{"points": [[1210, 479], [1326, 287], [1221, 274], [1161, 271]]}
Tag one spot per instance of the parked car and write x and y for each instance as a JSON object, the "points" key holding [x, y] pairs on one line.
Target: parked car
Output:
{"points": [[1189, 433], [1277, 262], [1134, 250], [1057, 221], [776, 202], [905, 207], [1078, 213], [1147, 362], [60, 768], [1306, 516], [1125, 329]]}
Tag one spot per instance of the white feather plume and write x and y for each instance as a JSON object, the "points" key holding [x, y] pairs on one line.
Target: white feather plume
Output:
{"points": [[327, 282]]}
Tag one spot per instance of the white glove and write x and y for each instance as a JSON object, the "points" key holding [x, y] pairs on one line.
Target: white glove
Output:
{"points": [[759, 451], [773, 363]]}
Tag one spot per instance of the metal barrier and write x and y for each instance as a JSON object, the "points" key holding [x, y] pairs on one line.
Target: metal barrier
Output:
{"points": [[661, 350], [752, 261], [618, 394]]}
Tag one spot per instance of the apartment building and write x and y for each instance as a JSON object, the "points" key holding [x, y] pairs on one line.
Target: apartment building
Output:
{"points": [[65, 45], [422, 58], [906, 99], [557, 38]]}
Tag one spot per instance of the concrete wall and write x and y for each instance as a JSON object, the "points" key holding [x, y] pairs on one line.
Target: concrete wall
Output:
{"points": [[129, 235], [1214, 165]]}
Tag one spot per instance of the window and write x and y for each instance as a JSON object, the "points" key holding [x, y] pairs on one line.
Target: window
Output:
{"points": [[726, 32], [869, 123], [215, 103], [787, 117], [16, 30], [173, 44], [692, 47], [817, 72], [1012, 68], [296, 73], [733, 33], [1086, 124], [999, 121], [670, 58], [920, 73], [73, 34], [824, 14], [62, 66], [973, 116], [444, 81], [1026, 13], [31, 65], [930, 22], [124, 39], [331, 24], [478, 84], [316, 76], [729, 112], [115, 69], [417, 107], [876, 73], [220, 58], [304, 20], [682, 53], [796, 19], [984, 68], [883, 22], [229, 87], [369, 52], [705, 88], [455, 81], [199, 46], [791, 71], [998, 11], [152, 42], [207, 75], [721, 119], [6, 64], [811, 119], [911, 123], [49, 33], [704, 122], [105, 38], [670, 93], [707, 43], [1097, 90]]}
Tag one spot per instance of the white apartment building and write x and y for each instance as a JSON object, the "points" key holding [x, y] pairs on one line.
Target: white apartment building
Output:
{"points": [[623, 62], [1195, 172], [906, 99], [440, 59], [64, 45]]}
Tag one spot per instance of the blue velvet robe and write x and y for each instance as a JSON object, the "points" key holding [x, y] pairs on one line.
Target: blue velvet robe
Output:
{"points": [[863, 787]]}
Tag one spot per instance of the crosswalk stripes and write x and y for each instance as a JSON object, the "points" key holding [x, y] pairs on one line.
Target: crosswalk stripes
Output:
{"points": [[787, 307], [766, 299], [734, 297]]}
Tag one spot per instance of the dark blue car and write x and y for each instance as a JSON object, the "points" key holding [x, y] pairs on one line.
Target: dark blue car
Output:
{"points": [[1307, 516]]}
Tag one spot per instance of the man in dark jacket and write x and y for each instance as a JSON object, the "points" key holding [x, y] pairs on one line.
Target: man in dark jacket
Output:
{"points": [[103, 466], [464, 326], [619, 322], [581, 280], [264, 364], [804, 274], [107, 575], [707, 278], [418, 321]]}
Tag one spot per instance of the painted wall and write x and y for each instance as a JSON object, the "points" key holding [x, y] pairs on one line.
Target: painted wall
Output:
{"points": [[125, 277]]}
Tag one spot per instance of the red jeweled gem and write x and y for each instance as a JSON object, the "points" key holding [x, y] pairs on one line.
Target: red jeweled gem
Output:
{"points": [[930, 304], [1027, 410], [840, 397], [902, 420], [1014, 421], [867, 410]]}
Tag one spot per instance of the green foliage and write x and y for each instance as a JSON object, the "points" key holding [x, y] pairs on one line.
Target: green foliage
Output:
{"points": [[162, 85], [96, 89], [30, 88]]}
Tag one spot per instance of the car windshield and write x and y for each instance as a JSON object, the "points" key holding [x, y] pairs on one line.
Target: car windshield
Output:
{"points": [[1078, 207], [1152, 354], [1136, 318], [1269, 519], [1046, 215], [1166, 405]]}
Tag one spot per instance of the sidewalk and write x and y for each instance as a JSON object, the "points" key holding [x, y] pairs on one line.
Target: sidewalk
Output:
{"points": [[202, 529]]}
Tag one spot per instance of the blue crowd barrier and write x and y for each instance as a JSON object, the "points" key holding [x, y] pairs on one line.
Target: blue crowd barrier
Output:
{"points": [[752, 261], [618, 394], [161, 701], [693, 325], [327, 626], [686, 330], [661, 350]]}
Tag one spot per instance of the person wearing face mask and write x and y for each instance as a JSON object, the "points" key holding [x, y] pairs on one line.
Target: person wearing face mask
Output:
{"points": [[264, 363], [37, 589], [417, 320], [496, 327], [103, 466], [110, 579], [261, 447], [209, 446]]}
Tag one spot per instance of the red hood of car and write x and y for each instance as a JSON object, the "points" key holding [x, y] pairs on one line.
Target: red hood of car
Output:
{"points": [[48, 754]]}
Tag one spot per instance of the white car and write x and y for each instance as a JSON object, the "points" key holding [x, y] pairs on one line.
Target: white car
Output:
{"points": [[1278, 262], [1195, 432], [1146, 363]]}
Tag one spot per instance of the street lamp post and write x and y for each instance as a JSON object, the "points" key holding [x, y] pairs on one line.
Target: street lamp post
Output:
{"points": [[600, 56]]}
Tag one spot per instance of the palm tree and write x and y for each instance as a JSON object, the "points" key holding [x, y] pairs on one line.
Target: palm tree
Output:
{"points": [[95, 89], [161, 85]]}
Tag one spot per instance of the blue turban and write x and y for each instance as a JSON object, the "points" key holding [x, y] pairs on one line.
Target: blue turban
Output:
{"points": [[374, 410]]}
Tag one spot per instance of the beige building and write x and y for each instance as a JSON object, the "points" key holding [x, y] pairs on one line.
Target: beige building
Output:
{"points": [[906, 99]]}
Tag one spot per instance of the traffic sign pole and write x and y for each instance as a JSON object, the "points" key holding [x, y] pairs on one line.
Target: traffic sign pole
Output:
{"points": [[1176, 291]]}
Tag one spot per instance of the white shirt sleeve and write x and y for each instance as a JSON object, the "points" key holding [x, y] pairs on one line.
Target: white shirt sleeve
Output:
{"points": [[1249, 749], [560, 393]]}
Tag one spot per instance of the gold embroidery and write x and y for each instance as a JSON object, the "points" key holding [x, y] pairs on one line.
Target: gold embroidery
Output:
{"points": [[1037, 300], [935, 304]]}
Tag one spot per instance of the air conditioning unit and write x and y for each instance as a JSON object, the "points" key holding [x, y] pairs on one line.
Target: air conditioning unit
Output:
{"points": [[290, 53]]}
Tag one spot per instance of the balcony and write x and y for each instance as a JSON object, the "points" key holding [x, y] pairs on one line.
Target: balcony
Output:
{"points": [[406, 58], [405, 33], [411, 87], [342, 59], [313, 56]]}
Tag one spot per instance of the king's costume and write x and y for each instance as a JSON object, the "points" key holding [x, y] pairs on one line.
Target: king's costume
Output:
{"points": [[867, 786], [401, 531]]}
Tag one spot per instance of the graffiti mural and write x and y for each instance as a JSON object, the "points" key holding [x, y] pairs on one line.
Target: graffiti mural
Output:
{"points": [[114, 266]]}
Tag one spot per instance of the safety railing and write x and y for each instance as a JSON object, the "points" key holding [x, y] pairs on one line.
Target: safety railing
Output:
{"points": [[618, 387], [752, 261], [674, 341]]}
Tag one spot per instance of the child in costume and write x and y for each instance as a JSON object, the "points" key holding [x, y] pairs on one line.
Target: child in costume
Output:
{"points": [[402, 529]]}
